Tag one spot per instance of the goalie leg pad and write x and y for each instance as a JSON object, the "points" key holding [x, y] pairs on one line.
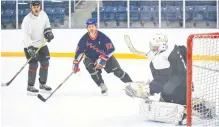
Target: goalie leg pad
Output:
{"points": [[163, 112]]}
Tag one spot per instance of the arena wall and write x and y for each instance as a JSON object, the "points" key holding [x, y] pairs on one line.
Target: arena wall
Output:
{"points": [[66, 40]]}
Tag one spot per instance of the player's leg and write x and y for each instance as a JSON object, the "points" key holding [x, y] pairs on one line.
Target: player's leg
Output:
{"points": [[173, 93], [95, 74], [33, 65], [157, 85], [44, 57], [112, 65]]}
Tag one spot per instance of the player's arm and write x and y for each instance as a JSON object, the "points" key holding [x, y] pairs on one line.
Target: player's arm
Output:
{"points": [[79, 54], [108, 51], [47, 30], [26, 31]]}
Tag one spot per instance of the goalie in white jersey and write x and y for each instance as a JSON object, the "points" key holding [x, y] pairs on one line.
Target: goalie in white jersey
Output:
{"points": [[36, 28], [168, 68]]}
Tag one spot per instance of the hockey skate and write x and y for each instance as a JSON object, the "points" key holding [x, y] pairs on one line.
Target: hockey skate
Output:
{"points": [[44, 88], [32, 91], [103, 89]]}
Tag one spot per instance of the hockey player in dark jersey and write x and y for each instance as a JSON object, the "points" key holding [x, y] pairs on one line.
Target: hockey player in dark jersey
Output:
{"points": [[98, 50], [168, 68]]}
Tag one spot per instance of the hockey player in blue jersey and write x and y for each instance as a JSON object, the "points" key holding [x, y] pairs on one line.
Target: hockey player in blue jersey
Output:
{"points": [[98, 50]]}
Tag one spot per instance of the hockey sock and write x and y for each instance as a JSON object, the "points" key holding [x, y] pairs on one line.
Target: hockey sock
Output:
{"points": [[126, 78], [44, 72], [31, 76], [122, 75], [97, 77]]}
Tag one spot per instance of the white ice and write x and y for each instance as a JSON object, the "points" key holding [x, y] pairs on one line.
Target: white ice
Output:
{"points": [[78, 103]]}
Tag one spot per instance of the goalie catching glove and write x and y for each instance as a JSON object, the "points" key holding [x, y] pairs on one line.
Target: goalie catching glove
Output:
{"points": [[101, 62], [138, 89]]}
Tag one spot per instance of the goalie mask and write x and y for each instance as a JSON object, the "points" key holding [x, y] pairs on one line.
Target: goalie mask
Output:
{"points": [[159, 43]]}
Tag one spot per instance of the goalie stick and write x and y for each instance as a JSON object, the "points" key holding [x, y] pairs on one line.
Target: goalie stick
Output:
{"points": [[9, 82], [45, 99], [132, 48]]}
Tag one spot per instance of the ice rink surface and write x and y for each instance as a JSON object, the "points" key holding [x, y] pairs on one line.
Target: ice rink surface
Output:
{"points": [[78, 103]]}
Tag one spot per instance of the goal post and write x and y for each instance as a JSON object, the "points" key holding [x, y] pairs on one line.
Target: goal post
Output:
{"points": [[203, 75]]}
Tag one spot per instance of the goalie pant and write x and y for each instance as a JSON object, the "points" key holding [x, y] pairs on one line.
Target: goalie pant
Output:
{"points": [[170, 81]]}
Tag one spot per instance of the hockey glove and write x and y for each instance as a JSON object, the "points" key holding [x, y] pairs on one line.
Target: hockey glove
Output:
{"points": [[48, 34], [32, 51], [101, 62], [75, 66]]}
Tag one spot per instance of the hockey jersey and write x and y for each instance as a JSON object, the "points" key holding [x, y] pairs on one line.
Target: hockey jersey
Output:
{"points": [[93, 47], [33, 27]]}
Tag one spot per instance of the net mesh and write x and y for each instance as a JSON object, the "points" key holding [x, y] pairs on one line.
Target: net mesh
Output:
{"points": [[205, 78]]}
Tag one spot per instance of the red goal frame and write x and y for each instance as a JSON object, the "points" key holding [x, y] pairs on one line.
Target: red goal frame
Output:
{"points": [[189, 70]]}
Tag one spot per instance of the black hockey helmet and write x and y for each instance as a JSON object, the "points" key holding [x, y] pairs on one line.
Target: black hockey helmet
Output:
{"points": [[35, 3]]}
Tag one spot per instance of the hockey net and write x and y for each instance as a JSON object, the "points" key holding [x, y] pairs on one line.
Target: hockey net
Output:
{"points": [[203, 79]]}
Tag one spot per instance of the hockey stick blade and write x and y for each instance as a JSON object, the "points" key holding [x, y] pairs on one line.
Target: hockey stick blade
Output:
{"points": [[4, 84], [129, 43], [132, 48], [41, 98]]}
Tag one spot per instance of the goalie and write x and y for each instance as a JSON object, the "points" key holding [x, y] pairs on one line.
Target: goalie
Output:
{"points": [[168, 68]]}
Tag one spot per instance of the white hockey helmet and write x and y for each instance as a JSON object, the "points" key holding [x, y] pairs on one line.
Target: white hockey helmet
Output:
{"points": [[159, 42]]}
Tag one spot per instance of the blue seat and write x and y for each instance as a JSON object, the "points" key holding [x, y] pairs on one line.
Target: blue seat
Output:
{"points": [[144, 3], [134, 13], [133, 3], [109, 14], [102, 11], [199, 13], [121, 14], [20, 16], [8, 5], [65, 5], [189, 13], [211, 14], [119, 3], [59, 15], [135, 8], [58, 4], [145, 15], [47, 4], [174, 13], [7, 16], [27, 11], [107, 3], [134, 16], [94, 14], [50, 12]]}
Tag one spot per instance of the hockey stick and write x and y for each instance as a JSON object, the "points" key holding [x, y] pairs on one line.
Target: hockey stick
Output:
{"points": [[8, 83], [45, 99], [132, 48]]}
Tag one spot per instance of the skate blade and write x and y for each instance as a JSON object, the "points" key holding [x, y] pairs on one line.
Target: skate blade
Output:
{"points": [[32, 93], [105, 94], [44, 91]]}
